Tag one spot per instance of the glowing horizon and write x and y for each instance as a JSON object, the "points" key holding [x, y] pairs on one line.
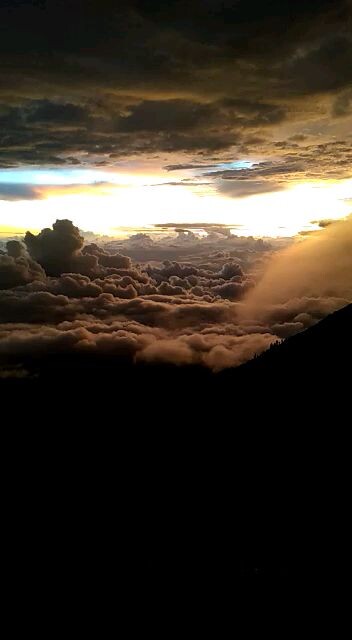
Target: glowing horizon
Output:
{"points": [[108, 202]]}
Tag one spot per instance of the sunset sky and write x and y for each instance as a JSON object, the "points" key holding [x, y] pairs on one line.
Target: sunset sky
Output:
{"points": [[125, 115]]}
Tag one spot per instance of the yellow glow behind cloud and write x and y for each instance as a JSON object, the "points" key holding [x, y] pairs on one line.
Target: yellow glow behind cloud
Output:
{"points": [[105, 208]]}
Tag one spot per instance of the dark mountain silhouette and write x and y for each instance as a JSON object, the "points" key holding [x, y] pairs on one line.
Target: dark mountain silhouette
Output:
{"points": [[202, 478], [307, 369], [326, 343]]}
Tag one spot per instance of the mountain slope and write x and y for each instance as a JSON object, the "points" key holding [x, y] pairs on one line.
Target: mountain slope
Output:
{"points": [[329, 342], [202, 477]]}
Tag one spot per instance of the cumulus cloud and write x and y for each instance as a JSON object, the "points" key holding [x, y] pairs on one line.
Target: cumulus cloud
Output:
{"points": [[135, 339], [59, 250], [212, 350], [17, 268], [216, 309], [175, 311], [105, 259]]}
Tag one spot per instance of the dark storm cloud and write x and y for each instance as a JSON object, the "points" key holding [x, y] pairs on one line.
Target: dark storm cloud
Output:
{"points": [[233, 23], [183, 115], [55, 133], [327, 66], [56, 114], [169, 115], [178, 79]]}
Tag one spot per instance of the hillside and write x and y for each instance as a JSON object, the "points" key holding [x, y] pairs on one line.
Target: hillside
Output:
{"points": [[328, 343], [243, 473]]}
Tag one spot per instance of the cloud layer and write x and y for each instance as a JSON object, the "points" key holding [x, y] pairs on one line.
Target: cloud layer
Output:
{"points": [[227, 301]]}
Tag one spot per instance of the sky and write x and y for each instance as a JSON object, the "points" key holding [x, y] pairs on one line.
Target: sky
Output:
{"points": [[124, 115], [175, 177]]}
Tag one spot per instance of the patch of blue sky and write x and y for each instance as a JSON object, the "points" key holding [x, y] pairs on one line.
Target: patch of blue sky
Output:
{"points": [[237, 164], [221, 166], [55, 176]]}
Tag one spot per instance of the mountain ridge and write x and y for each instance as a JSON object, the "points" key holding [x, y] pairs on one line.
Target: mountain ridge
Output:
{"points": [[241, 473]]}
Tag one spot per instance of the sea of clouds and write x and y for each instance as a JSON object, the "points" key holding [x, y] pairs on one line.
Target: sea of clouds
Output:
{"points": [[213, 299]]}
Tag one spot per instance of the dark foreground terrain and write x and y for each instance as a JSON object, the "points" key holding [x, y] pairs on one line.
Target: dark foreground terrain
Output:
{"points": [[176, 478]]}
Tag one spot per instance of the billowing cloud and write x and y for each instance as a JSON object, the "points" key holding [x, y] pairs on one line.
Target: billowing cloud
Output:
{"points": [[58, 250], [318, 266], [215, 309], [17, 268]]}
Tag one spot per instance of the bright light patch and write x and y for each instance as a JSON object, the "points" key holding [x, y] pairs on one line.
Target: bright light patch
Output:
{"points": [[94, 200]]}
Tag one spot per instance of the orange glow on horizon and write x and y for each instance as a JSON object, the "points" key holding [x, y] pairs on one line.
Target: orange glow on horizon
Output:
{"points": [[110, 208]]}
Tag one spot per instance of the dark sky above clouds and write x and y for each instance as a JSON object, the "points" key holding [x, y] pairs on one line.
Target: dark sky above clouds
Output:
{"points": [[89, 82]]}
